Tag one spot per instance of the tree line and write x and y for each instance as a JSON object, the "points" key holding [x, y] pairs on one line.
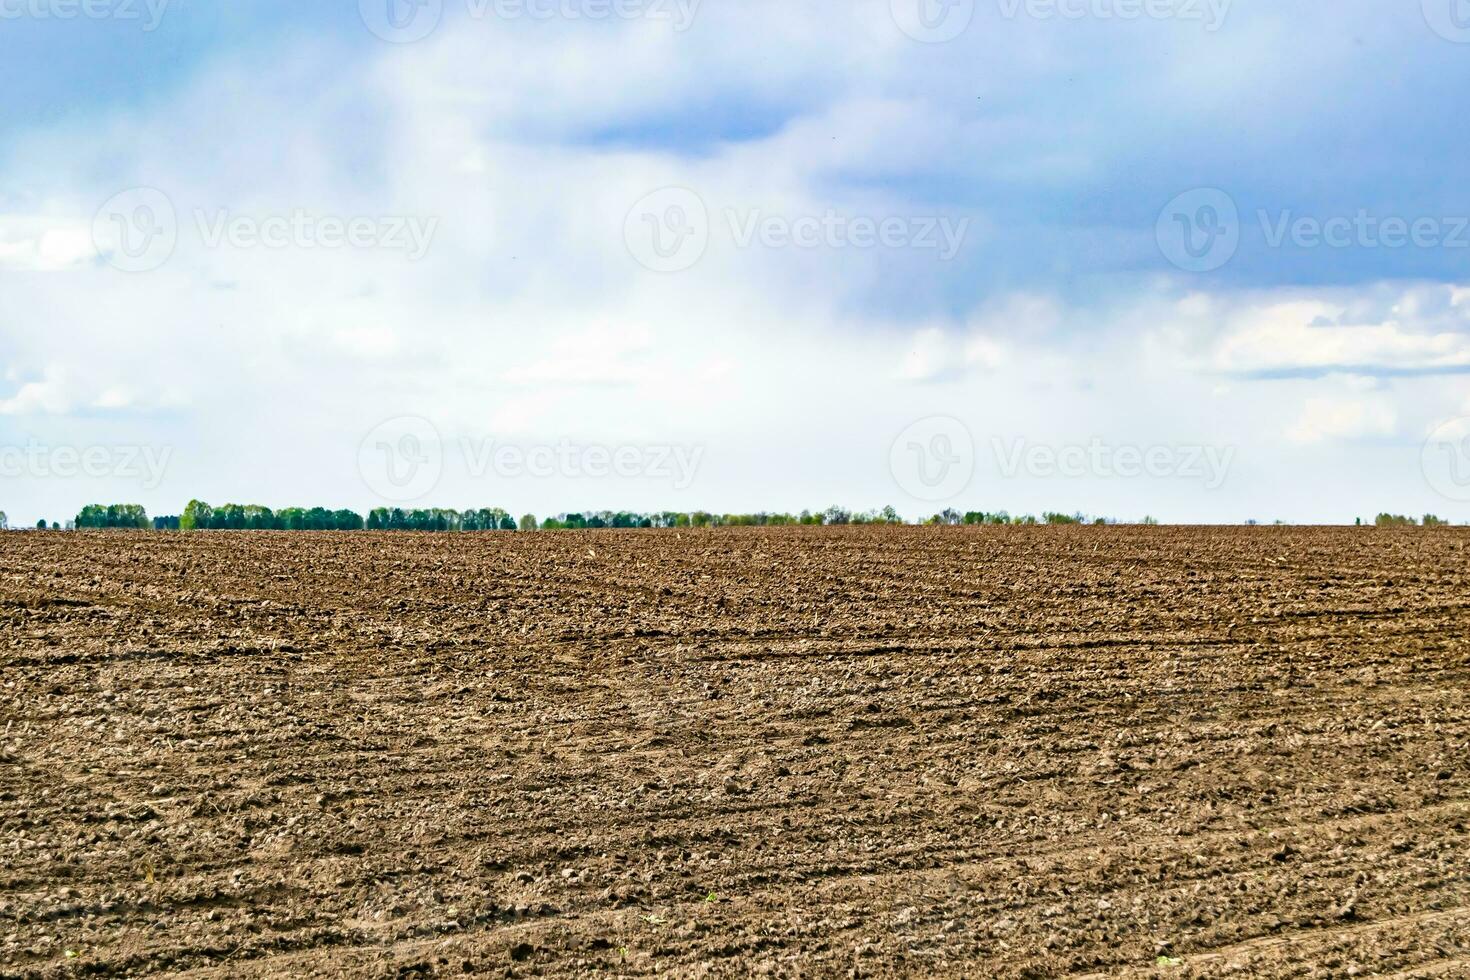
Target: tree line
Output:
{"points": [[200, 516], [1399, 520], [700, 518], [98, 516], [1000, 517], [437, 519]]}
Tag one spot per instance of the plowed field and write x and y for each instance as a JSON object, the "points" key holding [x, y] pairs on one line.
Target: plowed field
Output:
{"points": [[845, 751]]}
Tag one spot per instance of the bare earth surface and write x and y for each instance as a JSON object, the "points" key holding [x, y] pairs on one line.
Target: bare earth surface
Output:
{"points": [[898, 751]]}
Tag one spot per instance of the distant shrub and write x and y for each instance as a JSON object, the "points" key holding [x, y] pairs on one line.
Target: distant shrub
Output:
{"points": [[974, 517]]}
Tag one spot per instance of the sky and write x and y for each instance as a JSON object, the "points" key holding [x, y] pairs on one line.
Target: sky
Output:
{"points": [[1203, 260]]}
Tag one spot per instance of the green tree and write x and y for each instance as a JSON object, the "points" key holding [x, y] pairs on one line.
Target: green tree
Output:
{"points": [[95, 516], [196, 516], [260, 518]]}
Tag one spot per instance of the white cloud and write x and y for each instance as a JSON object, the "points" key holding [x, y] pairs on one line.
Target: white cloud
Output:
{"points": [[37, 244], [1377, 330], [1325, 419], [377, 342], [46, 397], [63, 391], [937, 354]]}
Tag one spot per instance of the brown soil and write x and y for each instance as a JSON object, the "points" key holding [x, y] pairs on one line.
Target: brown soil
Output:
{"points": [[909, 751]]}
